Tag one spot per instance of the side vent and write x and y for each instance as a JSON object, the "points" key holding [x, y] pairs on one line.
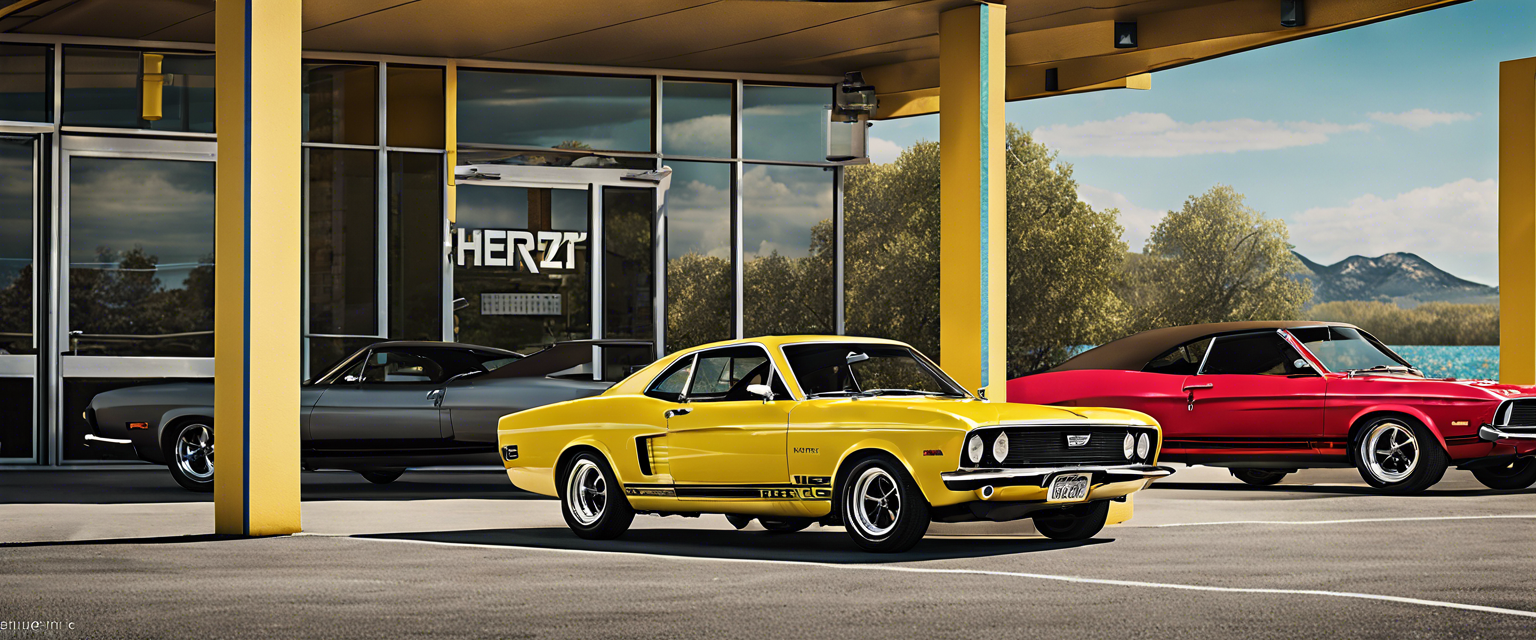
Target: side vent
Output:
{"points": [[653, 455]]}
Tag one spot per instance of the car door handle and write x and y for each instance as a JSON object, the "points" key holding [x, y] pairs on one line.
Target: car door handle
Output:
{"points": [[673, 413], [1198, 386]]}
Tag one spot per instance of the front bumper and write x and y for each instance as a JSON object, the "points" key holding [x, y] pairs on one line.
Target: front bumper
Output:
{"points": [[1039, 477], [1491, 433]]}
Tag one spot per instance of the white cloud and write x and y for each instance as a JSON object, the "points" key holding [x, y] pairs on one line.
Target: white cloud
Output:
{"points": [[1138, 221], [1455, 226], [1420, 118], [1157, 135], [882, 151]]}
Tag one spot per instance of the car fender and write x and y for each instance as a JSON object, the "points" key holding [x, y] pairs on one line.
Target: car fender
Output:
{"points": [[928, 482], [1404, 409], [156, 452], [587, 441]]}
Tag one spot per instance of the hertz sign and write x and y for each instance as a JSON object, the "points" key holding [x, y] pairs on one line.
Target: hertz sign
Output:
{"points": [[534, 251]]}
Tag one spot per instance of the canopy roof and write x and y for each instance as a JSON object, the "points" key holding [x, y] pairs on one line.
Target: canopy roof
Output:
{"points": [[894, 42]]}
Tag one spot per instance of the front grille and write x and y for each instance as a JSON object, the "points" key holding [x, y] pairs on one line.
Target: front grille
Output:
{"points": [[1047, 445], [1521, 413]]}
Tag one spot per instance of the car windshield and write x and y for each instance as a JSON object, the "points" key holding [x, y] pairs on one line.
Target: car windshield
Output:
{"points": [[858, 369], [1348, 349]]}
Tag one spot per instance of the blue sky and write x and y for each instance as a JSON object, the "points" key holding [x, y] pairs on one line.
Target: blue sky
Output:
{"points": [[1366, 141]]}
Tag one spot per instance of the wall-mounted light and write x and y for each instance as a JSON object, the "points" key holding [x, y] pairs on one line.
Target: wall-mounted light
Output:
{"points": [[1052, 80], [854, 97], [1293, 13], [854, 102], [154, 87], [1125, 35]]}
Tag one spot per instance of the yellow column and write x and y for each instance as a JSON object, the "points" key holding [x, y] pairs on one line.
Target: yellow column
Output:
{"points": [[1517, 221], [451, 139], [973, 209], [257, 303]]}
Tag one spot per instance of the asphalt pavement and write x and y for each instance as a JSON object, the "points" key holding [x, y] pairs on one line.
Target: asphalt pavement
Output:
{"points": [[462, 555]]}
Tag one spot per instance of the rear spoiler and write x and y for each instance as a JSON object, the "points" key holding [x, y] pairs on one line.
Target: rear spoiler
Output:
{"points": [[559, 357]]}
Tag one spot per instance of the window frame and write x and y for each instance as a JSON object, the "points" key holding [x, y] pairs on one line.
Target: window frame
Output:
{"points": [[699, 355], [1279, 334]]}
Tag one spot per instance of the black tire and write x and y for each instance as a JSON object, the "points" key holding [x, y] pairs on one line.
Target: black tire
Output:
{"points": [[189, 454], [381, 476], [737, 520], [1511, 477], [601, 512], [1260, 477], [887, 525], [785, 525], [1398, 455], [1074, 523]]}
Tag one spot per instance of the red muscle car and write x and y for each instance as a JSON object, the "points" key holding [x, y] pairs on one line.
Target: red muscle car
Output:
{"points": [[1267, 398]]}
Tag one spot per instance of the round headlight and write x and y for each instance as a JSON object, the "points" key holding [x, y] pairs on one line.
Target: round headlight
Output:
{"points": [[973, 449], [1000, 447], [1129, 446], [1143, 446]]}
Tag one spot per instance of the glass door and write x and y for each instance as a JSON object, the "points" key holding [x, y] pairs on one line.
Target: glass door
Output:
{"points": [[137, 251], [19, 197], [549, 255]]}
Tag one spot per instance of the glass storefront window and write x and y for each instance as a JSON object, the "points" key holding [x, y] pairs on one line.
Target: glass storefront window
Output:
{"points": [[16, 418], [106, 88], [24, 83], [415, 246], [785, 123], [17, 182], [556, 111], [141, 246], [341, 103], [629, 280], [521, 264], [416, 106], [701, 291], [788, 247], [696, 119], [343, 232]]}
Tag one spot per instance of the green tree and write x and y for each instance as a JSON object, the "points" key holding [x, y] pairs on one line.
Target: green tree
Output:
{"points": [[1215, 260], [1063, 256]]}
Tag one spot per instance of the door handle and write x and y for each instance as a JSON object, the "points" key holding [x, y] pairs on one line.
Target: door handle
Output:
{"points": [[1191, 388], [673, 413]]}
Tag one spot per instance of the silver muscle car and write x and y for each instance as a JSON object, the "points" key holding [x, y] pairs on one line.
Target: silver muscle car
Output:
{"points": [[390, 406]]}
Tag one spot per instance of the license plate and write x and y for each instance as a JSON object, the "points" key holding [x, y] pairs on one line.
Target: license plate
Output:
{"points": [[1069, 487]]}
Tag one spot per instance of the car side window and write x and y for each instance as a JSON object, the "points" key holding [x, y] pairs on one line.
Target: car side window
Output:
{"points": [[669, 385], [723, 375], [1264, 354], [353, 374], [401, 367], [1183, 360]]}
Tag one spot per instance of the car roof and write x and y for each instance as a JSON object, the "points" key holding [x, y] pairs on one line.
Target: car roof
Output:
{"points": [[426, 344], [778, 341], [1133, 352]]}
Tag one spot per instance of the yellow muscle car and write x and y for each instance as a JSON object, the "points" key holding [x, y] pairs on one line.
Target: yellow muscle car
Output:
{"points": [[795, 430]]}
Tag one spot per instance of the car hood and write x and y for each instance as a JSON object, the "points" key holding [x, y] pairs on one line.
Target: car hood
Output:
{"points": [[1492, 388], [971, 414]]}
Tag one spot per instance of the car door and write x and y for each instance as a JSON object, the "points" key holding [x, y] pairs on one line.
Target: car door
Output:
{"points": [[724, 435], [391, 406], [1254, 394]]}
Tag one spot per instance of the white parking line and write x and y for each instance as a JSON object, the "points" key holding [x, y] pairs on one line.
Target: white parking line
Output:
{"points": [[981, 572], [1324, 522]]}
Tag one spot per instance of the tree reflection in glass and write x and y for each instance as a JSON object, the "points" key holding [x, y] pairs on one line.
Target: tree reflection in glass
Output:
{"points": [[789, 245]]}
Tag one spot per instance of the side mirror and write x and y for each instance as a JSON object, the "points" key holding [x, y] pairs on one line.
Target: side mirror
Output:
{"points": [[761, 390], [981, 393], [856, 357], [1301, 363], [460, 304]]}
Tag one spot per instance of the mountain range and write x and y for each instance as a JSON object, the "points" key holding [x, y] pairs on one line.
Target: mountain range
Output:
{"points": [[1404, 279]]}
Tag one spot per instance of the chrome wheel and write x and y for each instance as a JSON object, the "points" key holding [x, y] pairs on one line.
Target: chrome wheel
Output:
{"points": [[193, 452], [1391, 451], [877, 504], [586, 492]]}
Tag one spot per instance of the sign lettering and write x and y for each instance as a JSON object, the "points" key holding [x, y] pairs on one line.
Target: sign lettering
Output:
{"points": [[517, 248]]}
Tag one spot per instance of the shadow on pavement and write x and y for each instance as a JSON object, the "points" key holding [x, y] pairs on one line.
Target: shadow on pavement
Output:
{"points": [[1235, 488], [156, 486], [807, 546]]}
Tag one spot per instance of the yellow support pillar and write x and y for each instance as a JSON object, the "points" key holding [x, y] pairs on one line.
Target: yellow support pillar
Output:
{"points": [[973, 210], [257, 305], [1517, 221]]}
